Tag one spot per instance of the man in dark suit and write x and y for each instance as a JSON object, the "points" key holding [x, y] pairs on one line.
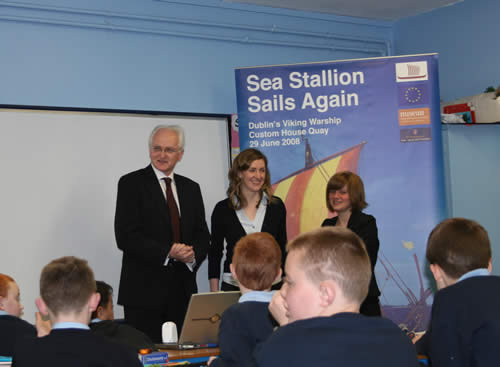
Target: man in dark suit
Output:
{"points": [[160, 227]]}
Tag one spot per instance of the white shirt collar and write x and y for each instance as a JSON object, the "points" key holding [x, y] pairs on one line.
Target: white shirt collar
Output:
{"points": [[69, 325], [160, 175], [255, 225], [474, 273], [257, 296]]}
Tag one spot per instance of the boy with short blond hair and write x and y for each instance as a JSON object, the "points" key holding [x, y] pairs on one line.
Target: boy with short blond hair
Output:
{"points": [[465, 319], [256, 265], [68, 297], [327, 274]]}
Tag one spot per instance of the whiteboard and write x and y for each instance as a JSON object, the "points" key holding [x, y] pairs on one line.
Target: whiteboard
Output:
{"points": [[59, 176]]}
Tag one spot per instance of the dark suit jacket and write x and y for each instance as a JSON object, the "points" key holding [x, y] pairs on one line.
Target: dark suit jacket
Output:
{"points": [[465, 324], [242, 327], [73, 347], [365, 226], [122, 333], [227, 226], [344, 339], [144, 234], [13, 329]]}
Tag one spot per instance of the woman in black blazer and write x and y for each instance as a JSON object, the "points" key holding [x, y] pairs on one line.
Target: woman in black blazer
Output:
{"points": [[345, 195], [249, 207]]}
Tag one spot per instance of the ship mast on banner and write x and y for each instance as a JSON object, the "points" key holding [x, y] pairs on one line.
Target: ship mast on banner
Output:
{"points": [[415, 315]]}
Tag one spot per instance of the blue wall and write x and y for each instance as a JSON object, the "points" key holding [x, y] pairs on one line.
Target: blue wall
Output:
{"points": [[466, 37], [161, 55], [472, 156]]}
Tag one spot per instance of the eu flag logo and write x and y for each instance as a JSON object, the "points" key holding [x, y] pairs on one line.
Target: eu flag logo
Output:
{"points": [[414, 94]]}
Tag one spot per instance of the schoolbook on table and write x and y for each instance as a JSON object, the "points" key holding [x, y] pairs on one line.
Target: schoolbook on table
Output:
{"points": [[202, 320], [154, 359]]}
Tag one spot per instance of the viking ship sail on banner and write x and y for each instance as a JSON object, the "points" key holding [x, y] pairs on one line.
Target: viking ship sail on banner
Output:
{"points": [[303, 191]]}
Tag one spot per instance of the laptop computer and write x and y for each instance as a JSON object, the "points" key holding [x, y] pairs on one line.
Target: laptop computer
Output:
{"points": [[202, 320]]}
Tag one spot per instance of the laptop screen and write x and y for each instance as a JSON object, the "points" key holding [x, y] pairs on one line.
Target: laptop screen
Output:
{"points": [[202, 320]]}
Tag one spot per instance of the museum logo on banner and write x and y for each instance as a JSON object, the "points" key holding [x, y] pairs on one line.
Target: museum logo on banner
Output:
{"points": [[413, 101]]}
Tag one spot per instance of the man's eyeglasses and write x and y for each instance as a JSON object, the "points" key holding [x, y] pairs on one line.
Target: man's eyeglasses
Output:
{"points": [[169, 150]]}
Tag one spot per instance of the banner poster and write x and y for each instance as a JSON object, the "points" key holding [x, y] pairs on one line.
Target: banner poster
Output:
{"points": [[376, 117]]}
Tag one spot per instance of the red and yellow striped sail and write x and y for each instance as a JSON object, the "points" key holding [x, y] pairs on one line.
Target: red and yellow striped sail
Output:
{"points": [[304, 191]]}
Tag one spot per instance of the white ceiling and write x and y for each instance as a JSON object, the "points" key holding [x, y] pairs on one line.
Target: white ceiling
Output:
{"points": [[371, 9]]}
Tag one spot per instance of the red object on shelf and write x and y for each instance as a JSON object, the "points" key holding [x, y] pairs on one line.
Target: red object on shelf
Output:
{"points": [[460, 108]]}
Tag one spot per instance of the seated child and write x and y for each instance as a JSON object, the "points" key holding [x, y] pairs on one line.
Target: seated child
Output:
{"points": [[256, 264], [465, 320], [327, 274], [68, 295], [12, 327], [103, 322]]}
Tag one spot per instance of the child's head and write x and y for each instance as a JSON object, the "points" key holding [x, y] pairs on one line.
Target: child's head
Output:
{"points": [[10, 299], [256, 261], [104, 309], [327, 271], [67, 287], [457, 246]]}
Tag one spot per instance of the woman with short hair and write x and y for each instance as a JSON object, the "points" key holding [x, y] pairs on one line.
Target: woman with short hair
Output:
{"points": [[345, 195]]}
